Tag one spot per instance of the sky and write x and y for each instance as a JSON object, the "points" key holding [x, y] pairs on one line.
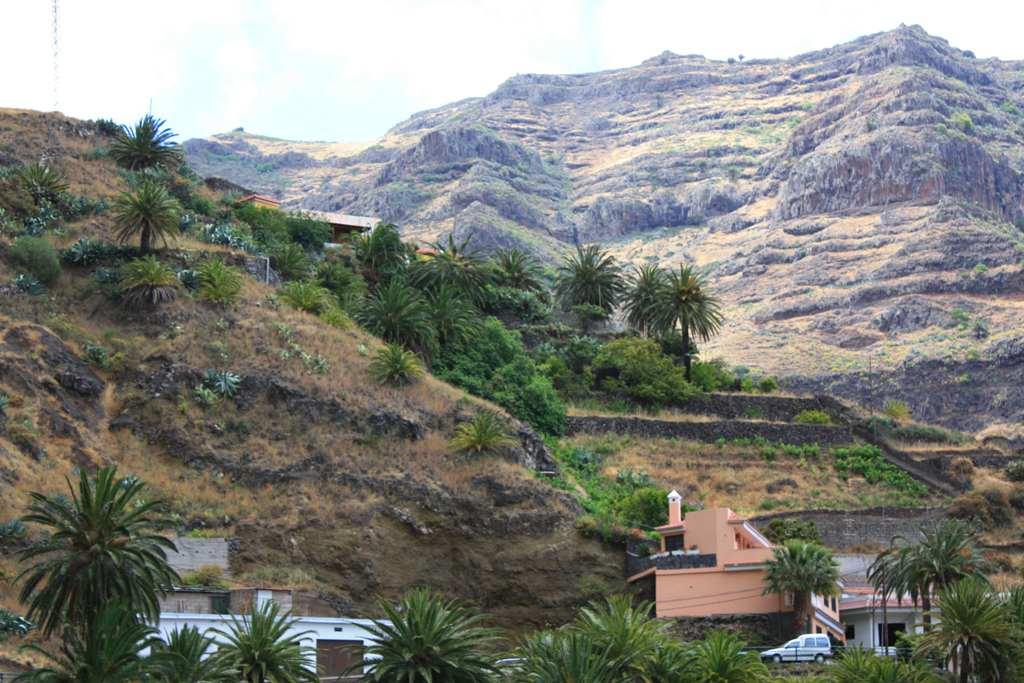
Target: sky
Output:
{"points": [[342, 70]]}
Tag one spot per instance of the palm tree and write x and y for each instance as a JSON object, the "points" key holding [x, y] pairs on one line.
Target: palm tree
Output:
{"points": [[485, 433], [628, 634], [184, 658], [455, 265], [685, 305], [720, 658], [882, 574], [590, 277], [802, 569], [454, 318], [150, 213], [425, 638], [946, 554], [398, 313], [147, 145], [42, 182], [102, 546], [974, 631], [646, 288], [857, 665], [107, 650], [259, 648], [145, 282], [517, 269], [381, 252], [566, 656], [671, 662]]}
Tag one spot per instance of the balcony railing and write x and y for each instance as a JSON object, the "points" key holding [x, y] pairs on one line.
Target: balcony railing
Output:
{"points": [[677, 559]]}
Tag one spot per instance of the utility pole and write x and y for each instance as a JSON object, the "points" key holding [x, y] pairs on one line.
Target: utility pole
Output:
{"points": [[56, 55]]}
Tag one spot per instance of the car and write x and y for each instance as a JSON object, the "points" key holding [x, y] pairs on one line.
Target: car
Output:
{"points": [[809, 647]]}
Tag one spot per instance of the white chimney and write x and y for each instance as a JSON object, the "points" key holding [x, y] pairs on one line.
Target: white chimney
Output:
{"points": [[675, 508]]}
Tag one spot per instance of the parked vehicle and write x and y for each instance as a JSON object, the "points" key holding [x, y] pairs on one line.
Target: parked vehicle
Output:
{"points": [[809, 647]]}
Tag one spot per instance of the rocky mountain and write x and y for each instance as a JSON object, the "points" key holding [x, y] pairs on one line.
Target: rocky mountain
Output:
{"points": [[859, 208]]}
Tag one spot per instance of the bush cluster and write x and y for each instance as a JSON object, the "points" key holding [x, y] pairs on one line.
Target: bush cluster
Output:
{"points": [[37, 257], [868, 462]]}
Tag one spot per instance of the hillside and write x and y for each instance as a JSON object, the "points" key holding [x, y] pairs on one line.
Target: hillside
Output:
{"points": [[859, 208]]}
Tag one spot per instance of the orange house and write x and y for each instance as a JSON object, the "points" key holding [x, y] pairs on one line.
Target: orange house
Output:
{"points": [[713, 563]]}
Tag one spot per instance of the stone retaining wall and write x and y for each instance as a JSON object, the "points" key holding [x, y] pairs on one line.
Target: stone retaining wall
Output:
{"points": [[775, 408], [194, 553], [758, 630], [875, 527], [824, 435]]}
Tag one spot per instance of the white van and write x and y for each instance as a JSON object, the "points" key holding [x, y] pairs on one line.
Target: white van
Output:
{"points": [[806, 648]]}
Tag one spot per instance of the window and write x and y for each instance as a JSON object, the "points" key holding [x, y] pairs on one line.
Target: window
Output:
{"points": [[821, 642], [851, 632], [835, 607], [793, 643], [817, 629]]}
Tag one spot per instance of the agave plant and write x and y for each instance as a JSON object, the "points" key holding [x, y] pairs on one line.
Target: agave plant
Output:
{"points": [[149, 212], [42, 182], [146, 145], [145, 282], [261, 647], [219, 283], [223, 382], [426, 638], [395, 366], [485, 433], [305, 295]]}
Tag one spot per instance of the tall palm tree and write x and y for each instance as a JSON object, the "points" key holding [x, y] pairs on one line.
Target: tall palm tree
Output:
{"points": [[801, 569], [685, 305], [517, 269], [882, 574], [646, 288], [566, 656], [146, 145], [455, 265], [590, 277], [398, 313], [454, 318], [974, 631], [104, 545], [720, 658], [260, 648], [426, 639], [947, 553], [106, 650], [185, 658], [628, 633], [381, 252], [150, 213]]}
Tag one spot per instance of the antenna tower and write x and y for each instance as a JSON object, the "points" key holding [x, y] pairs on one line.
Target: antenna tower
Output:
{"points": [[56, 100]]}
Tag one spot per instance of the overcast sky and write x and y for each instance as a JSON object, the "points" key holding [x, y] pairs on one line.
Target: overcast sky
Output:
{"points": [[346, 70]]}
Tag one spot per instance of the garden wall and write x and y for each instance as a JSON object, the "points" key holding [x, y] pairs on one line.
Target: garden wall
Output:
{"points": [[194, 553], [775, 408], [875, 527], [824, 435]]}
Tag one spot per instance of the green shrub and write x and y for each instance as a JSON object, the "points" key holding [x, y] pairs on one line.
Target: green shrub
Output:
{"points": [[712, 376], [209, 576], [347, 286], [637, 369], [395, 366], [145, 282], [307, 231], [768, 385], [780, 530], [812, 417], [37, 256], [87, 252], [868, 462], [494, 365], [305, 295], [336, 317], [897, 410], [644, 507], [268, 226], [962, 121], [989, 507], [1015, 470], [485, 433], [219, 283]]}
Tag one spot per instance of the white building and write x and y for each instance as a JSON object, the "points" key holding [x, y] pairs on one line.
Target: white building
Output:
{"points": [[335, 643], [868, 623]]}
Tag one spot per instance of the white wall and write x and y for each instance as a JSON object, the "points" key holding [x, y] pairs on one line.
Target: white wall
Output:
{"points": [[321, 628], [866, 622]]}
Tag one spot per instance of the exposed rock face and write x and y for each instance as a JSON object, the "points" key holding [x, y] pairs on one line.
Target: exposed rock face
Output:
{"points": [[850, 204]]}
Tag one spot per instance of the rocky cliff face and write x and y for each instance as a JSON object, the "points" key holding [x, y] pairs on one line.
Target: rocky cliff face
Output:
{"points": [[860, 208]]}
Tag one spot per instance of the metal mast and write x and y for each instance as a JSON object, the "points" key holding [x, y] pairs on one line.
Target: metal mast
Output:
{"points": [[56, 99]]}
